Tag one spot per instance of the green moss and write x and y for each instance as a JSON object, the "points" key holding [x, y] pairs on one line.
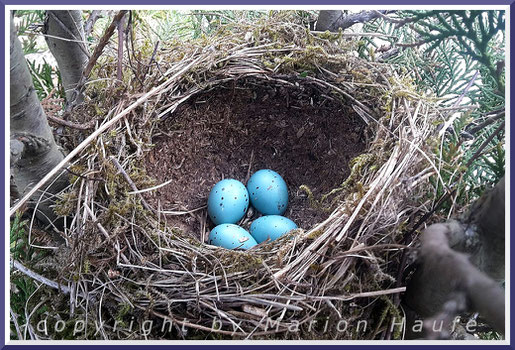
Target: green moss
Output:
{"points": [[236, 261], [86, 266], [124, 309], [312, 201], [357, 165], [315, 234], [122, 208], [327, 35], [315, 267], [75, 171], [67, 204]]}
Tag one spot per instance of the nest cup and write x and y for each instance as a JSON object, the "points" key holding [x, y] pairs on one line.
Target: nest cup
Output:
{"points": [[348, 136], [252, 123]]}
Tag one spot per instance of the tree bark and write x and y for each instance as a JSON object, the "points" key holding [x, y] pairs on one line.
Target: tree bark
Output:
{"points": [[65, 38], [446, 274], [486, 220], [327, 20], [33, 149], [332, 20]]}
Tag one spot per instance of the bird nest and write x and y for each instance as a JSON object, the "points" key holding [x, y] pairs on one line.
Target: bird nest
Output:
{"points": [[348, 135]]}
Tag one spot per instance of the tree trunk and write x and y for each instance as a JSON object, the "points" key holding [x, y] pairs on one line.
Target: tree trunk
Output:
{"points": [[65, 38], [327, 20], [33, 149], [447, 282]]}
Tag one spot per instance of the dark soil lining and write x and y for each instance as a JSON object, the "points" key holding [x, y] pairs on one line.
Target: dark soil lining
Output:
{"points": [[304, 136]]}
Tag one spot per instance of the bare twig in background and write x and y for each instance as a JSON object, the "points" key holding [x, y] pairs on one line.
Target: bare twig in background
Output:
{"points": [[129, 33], [102, 44], [70, 124], [152, 59], [485, 143], [90, 22], [488, 121], [451, 118], [119, 63]]}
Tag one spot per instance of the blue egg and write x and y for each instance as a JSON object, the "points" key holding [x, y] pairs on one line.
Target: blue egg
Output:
{"points": [[268, 192], [271, 227], [228, 201], [231, 236]]}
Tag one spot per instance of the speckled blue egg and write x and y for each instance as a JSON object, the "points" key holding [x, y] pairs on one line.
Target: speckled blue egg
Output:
{"points": [[231, 236], [268, 192], [271, 227], [228, 201]]}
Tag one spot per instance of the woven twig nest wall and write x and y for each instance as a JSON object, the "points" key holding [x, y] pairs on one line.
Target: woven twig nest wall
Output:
{"points": [[349, 137]]}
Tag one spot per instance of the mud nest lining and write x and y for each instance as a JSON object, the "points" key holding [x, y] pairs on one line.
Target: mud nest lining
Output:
{"points": [[230, 132]]}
